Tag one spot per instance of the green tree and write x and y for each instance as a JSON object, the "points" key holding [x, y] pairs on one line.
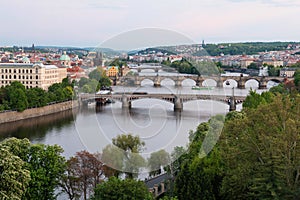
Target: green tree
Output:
{"points": [[113, 158], [14, 177], [200, 176], [157, 160], [253, 100], [36, 97], [17, 96], [100, 75], [297, 78], [83, 81], [253, 66], [128, 189], [46, 166], [261, 151], [129, 143], [44, 163], [273, 71], [131, 146]]}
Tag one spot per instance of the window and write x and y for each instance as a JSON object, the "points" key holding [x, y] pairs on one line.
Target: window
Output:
{"points": [[15, 71], [36, 77], [36, 70], [31, 71], [15, 77], [9, 70]]}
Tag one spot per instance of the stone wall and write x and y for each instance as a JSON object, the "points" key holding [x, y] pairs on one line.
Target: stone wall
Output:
{"points": [[36, 112]]}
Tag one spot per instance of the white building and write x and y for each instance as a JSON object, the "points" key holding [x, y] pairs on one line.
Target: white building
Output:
{"points": [[31, 75]]}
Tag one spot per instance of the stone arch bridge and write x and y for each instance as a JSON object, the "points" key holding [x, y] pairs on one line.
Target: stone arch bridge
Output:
{"points": [[127, 98], [241, 80]]}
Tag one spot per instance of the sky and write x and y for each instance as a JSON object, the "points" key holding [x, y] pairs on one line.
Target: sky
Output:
{"points": [[90, 23]]}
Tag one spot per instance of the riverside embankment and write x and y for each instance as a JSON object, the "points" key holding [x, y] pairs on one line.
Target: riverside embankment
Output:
{"points": [[36, 112]]}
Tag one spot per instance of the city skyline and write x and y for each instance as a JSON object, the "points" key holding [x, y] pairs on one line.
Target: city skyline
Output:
{"points": [[91, 23]]}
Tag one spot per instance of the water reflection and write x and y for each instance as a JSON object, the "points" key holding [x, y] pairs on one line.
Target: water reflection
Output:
{"points": [[36, 128]]}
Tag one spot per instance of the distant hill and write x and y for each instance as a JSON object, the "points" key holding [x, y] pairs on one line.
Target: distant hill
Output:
{"points": [[248, 48], [163, 50]]}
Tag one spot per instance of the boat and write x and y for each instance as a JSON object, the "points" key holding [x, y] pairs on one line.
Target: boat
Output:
{"points": [[202, 88]]}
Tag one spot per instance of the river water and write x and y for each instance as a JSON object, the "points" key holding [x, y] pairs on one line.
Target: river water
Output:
{"points": [[153, 120]]}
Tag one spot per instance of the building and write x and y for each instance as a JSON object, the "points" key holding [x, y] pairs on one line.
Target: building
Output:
{"points": [[287, 72], [65, 60], [31, 75], [275, 63], [246, 62], [112, 71]]}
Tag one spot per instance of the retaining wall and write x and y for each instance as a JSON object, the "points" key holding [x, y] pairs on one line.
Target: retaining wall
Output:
{"points": [[36, 112]]}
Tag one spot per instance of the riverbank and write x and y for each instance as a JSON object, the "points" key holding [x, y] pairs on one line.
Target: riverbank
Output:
{"points": [[36, 112]]}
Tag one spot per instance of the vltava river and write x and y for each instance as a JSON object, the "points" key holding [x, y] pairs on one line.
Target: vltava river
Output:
{"points": [[153, 120]]}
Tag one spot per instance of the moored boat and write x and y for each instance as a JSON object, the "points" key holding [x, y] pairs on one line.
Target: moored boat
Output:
{"points": [[202, 88]]}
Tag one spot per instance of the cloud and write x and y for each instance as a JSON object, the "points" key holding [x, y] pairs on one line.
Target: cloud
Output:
{"points": [[277, 3]]}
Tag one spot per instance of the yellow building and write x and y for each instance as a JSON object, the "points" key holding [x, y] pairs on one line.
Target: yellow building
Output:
{"points": [[275, 63], [31, 75], [245, 63], [112, 71]]}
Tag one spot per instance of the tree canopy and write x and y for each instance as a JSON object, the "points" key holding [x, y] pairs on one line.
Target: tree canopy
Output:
{"points": [[127, 189]]}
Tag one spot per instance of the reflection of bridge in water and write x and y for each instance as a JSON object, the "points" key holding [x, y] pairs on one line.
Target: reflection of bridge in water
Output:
{"points": [[220, 80], [127, 98]]}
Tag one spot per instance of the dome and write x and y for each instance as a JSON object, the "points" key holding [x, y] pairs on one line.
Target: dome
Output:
{"points": [[64, 57]]}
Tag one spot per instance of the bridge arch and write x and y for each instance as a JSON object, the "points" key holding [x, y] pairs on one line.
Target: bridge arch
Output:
{"points": [[188, 82], [154, 99], [273, 82], [209, 82], [147, 82], [252, 83], [148, 70], [231, 82], [167, 82]]}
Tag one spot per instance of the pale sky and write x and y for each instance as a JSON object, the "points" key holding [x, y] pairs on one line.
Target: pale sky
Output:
{"points": [[85, 23]]}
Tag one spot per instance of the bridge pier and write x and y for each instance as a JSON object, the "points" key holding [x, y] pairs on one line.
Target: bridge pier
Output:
{"points": [[220, 83], [125, 102], [262, 85], [199, 83], [178, 105], [157, 81], [241, 84], [177, 83], [232, 105]]}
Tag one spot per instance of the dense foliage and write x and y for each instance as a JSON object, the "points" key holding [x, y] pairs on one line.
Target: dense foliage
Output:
{"points": [[257, 156], [97, 79], [247, 48], [29, 171], [16, 97], [194, 67], [128, 189]]}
